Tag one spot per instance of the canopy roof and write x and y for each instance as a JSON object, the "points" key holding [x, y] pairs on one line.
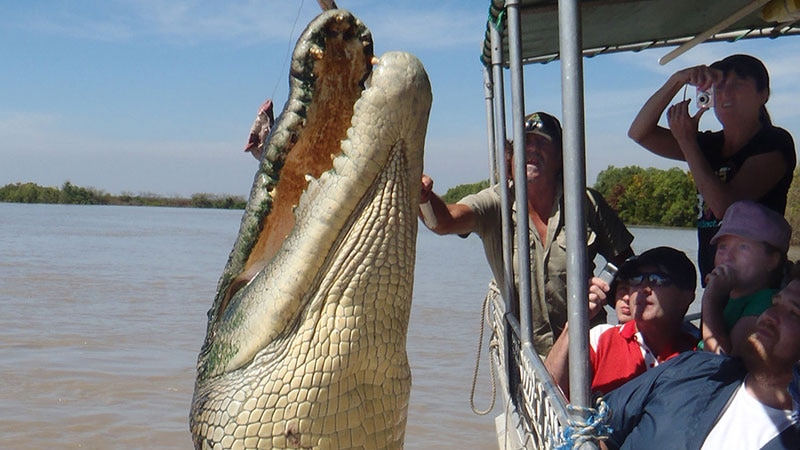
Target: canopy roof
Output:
{"points": [[633, 25]]}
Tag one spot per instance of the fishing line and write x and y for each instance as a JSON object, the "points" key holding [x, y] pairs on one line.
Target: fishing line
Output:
{"points": [[288, 50]]}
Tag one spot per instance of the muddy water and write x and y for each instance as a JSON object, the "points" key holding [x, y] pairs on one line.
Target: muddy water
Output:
{"points": [[104, 311]]}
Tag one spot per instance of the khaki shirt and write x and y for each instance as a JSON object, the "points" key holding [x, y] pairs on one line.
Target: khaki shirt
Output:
{"points": [[606, 235]]}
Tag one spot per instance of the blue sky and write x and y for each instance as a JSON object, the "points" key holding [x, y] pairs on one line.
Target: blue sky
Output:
{"points": [[153, 96]]}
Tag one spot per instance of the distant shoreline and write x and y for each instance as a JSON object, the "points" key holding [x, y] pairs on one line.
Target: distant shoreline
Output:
{"points": [[69, 194], [660, 226]]}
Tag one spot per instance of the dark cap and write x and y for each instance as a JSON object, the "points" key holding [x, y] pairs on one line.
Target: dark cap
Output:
{"points": [[673, 263], [745, 66], [543, 124]]}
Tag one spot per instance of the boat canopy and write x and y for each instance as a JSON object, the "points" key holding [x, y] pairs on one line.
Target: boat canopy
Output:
{"points": [[633, 25], [519, 32]]}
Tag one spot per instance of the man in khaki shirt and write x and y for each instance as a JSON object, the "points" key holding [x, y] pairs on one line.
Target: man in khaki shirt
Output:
{"points": [[480, 213]]}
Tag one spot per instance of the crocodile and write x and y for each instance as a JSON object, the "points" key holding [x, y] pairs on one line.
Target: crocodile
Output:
{"points": [[305, 341]]}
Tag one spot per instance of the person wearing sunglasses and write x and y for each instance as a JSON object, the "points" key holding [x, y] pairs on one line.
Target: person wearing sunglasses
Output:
{"points": [[622, 305], [659, 285], [704, 400], [751, 251], [481, 214]]}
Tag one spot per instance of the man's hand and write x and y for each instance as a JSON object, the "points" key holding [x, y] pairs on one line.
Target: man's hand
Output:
{"points": [[426, 189], [598, 290]]}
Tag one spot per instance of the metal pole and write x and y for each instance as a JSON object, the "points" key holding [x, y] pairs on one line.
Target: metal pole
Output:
{"points": [[488, 95], [570, 42], [507, 288], [520, 184], [702, 37]]}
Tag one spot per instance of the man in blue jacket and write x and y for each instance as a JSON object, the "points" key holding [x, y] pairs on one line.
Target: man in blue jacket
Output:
{"points": [[701, 400]]}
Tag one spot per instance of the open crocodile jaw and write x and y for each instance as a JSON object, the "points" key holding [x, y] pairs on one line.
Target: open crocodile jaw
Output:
{"points": [[305, 345]]}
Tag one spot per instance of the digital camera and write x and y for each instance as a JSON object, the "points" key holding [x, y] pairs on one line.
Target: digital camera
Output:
{"points": [[608, 273], [705, 99]]}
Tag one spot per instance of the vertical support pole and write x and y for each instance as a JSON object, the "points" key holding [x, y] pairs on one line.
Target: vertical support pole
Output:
{"points": [[488, 95], [570, 43], [520, 184], [507, 287]]}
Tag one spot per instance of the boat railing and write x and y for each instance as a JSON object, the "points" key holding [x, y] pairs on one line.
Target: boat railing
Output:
{"points": [[536, 413]]}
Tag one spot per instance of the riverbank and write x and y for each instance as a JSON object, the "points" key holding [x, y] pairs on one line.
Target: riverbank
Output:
{"points": [[70, 194]]}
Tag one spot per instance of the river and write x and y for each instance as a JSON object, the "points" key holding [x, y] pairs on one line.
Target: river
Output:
{"points": [[104, 312]]}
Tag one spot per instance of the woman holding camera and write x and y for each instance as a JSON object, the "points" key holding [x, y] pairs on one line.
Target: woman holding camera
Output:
{"points": [[749, 159]]}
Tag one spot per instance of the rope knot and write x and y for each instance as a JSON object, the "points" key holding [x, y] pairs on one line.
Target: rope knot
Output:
{"points": [[594, 427]]}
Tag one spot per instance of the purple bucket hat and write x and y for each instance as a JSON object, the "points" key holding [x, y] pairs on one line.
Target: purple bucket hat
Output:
{"points": [[755, 221]]}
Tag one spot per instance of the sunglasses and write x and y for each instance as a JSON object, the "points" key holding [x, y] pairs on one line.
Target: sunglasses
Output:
{"points": [[534, 123], [650, 279], [541, 124]]}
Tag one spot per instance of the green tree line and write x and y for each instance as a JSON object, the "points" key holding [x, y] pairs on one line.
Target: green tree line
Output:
{"points": [[69, 194], [456, 193], [641, 196], [650, 196]]}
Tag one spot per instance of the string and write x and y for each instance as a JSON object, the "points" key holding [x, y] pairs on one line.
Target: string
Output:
{"points": [[288, 49]]}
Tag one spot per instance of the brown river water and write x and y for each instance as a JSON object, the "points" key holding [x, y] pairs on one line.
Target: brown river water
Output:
{"points": [[104, 312]]}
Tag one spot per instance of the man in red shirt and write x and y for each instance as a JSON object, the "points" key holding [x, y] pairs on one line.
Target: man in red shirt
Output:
{"points": [[660, 284]]}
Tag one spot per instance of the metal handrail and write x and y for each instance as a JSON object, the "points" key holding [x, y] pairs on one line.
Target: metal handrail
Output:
{"points": [[533, 394]]}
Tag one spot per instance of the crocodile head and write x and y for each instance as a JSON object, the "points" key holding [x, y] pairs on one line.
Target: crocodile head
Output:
{"points": [[305, 344]]}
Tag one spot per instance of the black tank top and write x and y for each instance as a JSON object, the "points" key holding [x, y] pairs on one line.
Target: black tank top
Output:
{"points": [[768, 139]]}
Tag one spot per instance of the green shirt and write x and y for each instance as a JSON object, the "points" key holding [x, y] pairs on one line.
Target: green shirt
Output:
{"points": [[749, 305], [606, 235]]}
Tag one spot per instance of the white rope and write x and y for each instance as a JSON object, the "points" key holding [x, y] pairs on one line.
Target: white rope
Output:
{"points": [[492, 344], [592, 425]]}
